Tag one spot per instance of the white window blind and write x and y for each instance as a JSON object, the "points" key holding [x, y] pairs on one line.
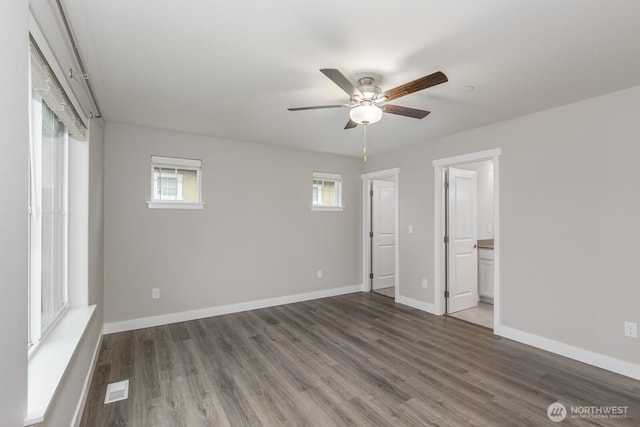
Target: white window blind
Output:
{"points": [[45, 83]]}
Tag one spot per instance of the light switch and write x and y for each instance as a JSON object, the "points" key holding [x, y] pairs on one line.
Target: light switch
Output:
{"points": [[631, 329], [410, 229]]}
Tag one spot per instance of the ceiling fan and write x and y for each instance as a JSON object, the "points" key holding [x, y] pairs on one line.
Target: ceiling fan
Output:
{"points": [[367, 102]]}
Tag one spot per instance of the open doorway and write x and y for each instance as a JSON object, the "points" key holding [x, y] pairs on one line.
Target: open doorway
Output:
{"points": [[467, 286], [380, 232]]}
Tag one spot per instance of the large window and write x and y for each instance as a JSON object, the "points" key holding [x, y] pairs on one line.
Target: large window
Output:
{"points": [[48, 219], [175, 183], [326, 191], [53, 122]]}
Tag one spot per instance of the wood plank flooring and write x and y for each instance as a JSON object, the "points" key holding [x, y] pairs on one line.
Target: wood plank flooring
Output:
{"points": [[357, 359]]}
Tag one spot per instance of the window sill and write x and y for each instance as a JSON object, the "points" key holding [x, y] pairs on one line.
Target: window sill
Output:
{"points": [[50, 361], [327, 208], [175, 205]]}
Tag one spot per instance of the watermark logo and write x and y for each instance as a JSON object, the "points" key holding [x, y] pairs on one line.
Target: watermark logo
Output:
{"points": [[556, 412]]}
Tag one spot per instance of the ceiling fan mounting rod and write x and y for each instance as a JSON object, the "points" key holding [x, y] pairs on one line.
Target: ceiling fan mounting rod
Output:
{"points": [[368, 90]]}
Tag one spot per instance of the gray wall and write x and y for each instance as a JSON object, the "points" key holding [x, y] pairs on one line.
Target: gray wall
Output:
{"points": [[14, 159], [256, 238], [568, 219], [96, 215]]}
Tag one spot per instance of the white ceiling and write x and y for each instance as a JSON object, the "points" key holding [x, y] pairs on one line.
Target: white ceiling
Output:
{"points": [[231, 68]]}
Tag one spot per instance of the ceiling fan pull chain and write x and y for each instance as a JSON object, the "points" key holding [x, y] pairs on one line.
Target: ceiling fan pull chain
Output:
{"points": [[364, 147]]}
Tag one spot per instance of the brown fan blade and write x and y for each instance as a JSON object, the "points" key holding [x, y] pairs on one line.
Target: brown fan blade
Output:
{"points": [[405, 111], [318, 107], [351, 124], [416, 85], [338, 78]]}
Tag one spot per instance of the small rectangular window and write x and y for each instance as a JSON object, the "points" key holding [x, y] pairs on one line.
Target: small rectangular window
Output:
{"points": [[175, 183], [326, 192]]}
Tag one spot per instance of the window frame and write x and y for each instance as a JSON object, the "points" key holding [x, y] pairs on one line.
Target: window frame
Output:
{"points": [[175, 163], [337, 180]]}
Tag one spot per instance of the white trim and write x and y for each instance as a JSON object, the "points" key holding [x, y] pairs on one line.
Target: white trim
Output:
{"points": [[366, 210], [420, 305], [381, 174], [586, 356], [468, 158], [438, 226], [47, 366], [496, 245], [176, 161], [175, 205], [77, 415], [319, 208], [323, 175], [165, 319]]}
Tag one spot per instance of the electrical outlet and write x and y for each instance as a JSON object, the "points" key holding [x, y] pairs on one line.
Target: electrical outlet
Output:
{"points": [[319, 274], [425, 283], [631, 329], [155, 293]]}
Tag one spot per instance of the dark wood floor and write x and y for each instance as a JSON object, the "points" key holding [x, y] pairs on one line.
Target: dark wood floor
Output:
{"points": [[357, 359]]}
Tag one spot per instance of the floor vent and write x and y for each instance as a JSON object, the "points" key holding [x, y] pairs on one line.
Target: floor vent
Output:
{"points": [[117, 391]]}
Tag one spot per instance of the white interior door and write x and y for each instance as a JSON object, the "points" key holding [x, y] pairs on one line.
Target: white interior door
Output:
{"points": [[384, 238], [462, 256]]}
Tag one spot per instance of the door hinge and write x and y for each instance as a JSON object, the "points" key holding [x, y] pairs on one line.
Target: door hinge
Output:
{"points": [[371, 193], [370, 275], [446, 294], [446, 185], [371, 234], [446, 239]]}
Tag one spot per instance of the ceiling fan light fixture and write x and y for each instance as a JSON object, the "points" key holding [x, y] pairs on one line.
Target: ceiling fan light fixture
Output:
{"points": [[366, 114]]}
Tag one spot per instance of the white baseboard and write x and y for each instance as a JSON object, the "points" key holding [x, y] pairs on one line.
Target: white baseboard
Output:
{"points": [[420, 305], [165, 319], [77, 416], [609, 363]]}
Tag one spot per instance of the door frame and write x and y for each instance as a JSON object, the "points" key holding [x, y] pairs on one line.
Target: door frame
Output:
{"points": [[366, 221], [439, 226]]}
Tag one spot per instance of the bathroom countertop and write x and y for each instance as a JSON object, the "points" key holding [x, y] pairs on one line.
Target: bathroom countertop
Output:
{"points": [[485, 244]]}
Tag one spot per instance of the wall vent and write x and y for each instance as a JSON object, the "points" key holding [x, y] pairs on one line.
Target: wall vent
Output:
{"points": [[117, 391]]}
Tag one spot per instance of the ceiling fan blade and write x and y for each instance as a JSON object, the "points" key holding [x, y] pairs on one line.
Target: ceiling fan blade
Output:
{"points": [[405, 111], [416, 85], [338, 78], [318, 107], [351, 124]]}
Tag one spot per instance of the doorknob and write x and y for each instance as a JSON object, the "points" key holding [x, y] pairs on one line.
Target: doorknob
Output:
{"points": [[475, 246]]}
